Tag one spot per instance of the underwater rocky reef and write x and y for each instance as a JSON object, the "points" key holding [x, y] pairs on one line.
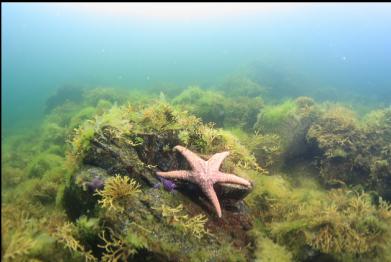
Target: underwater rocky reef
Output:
{"points": [[84, 186]]}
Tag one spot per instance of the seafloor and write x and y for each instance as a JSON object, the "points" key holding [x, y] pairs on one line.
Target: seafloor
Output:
{"points": [[83, 185]]}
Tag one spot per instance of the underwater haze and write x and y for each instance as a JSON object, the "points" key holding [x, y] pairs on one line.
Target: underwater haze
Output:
{"points": [[46, 46], [196, 132]]}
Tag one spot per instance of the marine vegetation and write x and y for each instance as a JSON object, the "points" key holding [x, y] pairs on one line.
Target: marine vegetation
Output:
{"points": [[223, 111], [65, 235], [118, 192], [63, 94], [208, 105], [119, 247], [17, 236], [344, 224], [271, 117], [82, 186], [267, 250], [354, 151], [338, 136], [287, 125], [175, 216], [241, 85], [125, 141], [267, 148]]}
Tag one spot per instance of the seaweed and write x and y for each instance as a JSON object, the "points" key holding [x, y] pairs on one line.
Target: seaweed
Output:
{"points": [[17, 236], [267, 250], [63, 94], [353, 151], [118, 192], [240, 85], [271, 117], [119, 247], [340, 223], [208, 105], [285, 217], [66, 236], [194, 225]]}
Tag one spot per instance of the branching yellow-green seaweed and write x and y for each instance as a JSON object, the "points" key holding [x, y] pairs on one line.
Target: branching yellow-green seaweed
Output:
{"points": [[66, 236], [266, 147], [267, 250], [118, 193], [341, 223], [193, 225], [119, 247], [272, 118], [17, 239], [353, 151]]}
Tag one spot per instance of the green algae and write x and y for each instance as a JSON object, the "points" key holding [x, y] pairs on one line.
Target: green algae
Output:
{"points": [[39, 172], [223, 111], [272, 116]]}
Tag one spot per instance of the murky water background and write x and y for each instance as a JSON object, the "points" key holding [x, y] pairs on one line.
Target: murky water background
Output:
{"points": [[330, 51]]}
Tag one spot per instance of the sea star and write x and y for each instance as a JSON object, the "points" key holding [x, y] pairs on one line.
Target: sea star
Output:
{"points": [[205, 174]]}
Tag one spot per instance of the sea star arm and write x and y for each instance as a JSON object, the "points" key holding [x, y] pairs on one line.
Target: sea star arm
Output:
{"points": [[178, 174], [229, 178], [215, 161], [211, 194], [194, 161]]}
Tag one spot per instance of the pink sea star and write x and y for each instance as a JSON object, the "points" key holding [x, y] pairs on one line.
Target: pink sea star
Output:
{"points": [[205, 174]]}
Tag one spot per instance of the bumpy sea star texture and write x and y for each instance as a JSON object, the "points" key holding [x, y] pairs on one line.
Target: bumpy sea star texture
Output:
{"points": [[205, 174]]}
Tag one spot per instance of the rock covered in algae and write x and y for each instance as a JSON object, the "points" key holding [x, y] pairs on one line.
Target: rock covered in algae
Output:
{"points": [[179, 225], [144, 159]]}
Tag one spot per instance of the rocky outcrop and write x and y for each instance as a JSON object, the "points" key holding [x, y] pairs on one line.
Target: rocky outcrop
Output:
{"points": [[140, 157]]}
